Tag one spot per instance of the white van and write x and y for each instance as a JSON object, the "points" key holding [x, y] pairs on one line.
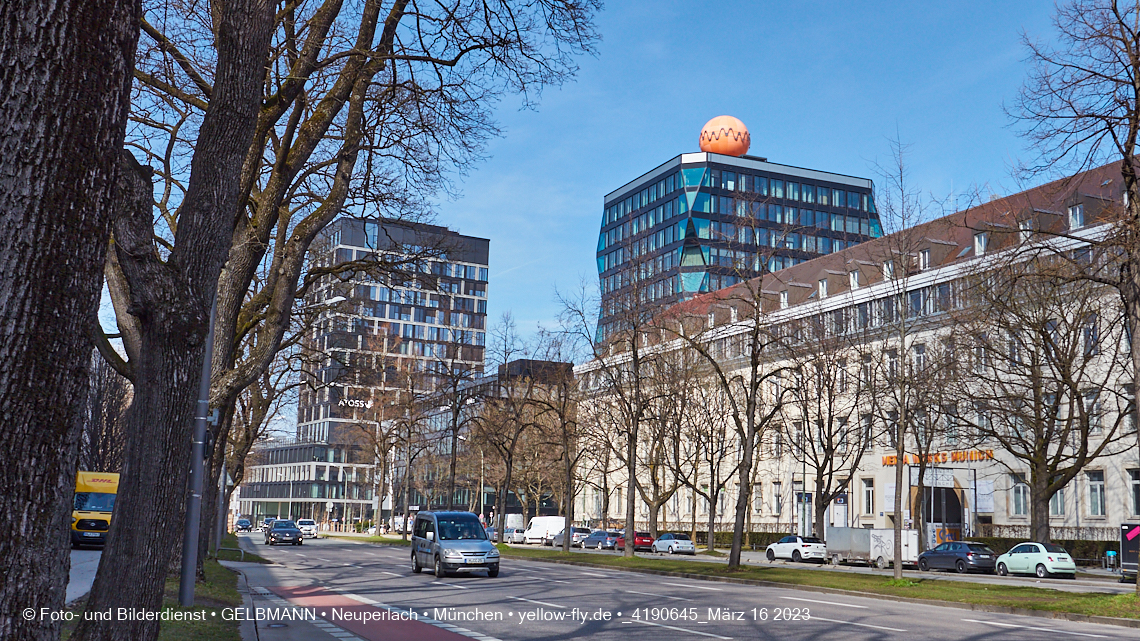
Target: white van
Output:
{"points": [[542, 529]]}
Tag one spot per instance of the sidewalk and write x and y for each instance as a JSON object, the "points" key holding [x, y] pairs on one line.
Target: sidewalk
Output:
{"points": [[84, 564]]}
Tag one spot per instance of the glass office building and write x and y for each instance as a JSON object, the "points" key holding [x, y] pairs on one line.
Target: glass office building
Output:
{"points": [[705, 221]]}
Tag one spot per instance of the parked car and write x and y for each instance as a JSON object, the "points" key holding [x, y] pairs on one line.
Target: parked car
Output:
{"points": [[1042, 559], [308, 527], [577, 535], [514, 535], [243, 525], [283, 531], [674, 544], [641, 541], [452, 542], [491, 532], [962, 556], [797, 548], [601, 540]]}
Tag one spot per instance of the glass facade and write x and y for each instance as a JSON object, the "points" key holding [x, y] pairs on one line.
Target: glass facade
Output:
{"points": [[702, 222]]}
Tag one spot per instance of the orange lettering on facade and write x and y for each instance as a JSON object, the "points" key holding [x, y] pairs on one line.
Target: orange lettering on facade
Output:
{"points": [[957, 456]]}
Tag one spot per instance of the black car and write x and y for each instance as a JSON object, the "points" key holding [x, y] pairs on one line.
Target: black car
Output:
{"points": [[283, 531], [962, 556], [243, 525]]}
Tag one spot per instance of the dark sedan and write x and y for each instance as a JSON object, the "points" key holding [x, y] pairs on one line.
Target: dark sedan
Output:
{"points": [[600, 540], [243, 525], [283, 531], [962, 556]]}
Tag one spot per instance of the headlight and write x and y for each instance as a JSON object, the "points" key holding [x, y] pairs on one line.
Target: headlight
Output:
{"points": [[450, 553], [493, 553]]}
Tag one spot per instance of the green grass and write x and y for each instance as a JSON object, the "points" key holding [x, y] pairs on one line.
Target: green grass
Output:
{"points": [[1011, 596], [218, 591], [386, 540], [230, 541]]}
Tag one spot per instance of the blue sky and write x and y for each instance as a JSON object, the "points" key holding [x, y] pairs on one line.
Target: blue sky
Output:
{"points": [[823, 85]]}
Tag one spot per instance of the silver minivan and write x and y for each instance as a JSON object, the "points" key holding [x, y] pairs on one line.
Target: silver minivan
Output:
{"points": [[452, 542]]}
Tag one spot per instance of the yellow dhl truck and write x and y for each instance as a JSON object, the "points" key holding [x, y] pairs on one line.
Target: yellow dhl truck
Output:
{"points": [[94, 502]]}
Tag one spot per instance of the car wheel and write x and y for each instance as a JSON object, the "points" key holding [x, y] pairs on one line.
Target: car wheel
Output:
{"points": [[599, 546], [796, 558], [771, 556], [439, 571], [881, 563], [1002, 570], [1041, 571], [960, 566], [416, 569], [493, 572], [671, 550], [924, 565]]}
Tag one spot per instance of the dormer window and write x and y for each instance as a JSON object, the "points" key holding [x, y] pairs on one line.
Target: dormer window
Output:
{"points": [[712, 318], [784, 299], [888, 270], [1025, 229], [1076, 216], [853, 278], [981, 240], [924, 260], [822, 288]]}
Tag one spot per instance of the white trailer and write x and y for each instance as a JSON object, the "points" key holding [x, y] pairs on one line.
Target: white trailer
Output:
{"points": [[863, 545]]}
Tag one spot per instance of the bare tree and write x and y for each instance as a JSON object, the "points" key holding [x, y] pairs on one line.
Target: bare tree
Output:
{"points": [[103, 438], [1080, 107], [1047, 375]]}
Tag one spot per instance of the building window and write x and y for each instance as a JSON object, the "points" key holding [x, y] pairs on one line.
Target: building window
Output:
{"points": [[823, 288], [888, 270], [853, 278], [1091, 335], [920, 357], [1096, 493], [924, 259], [1135, 474], [777, 498], [981, 240], [1020, 495], [868, 496], [757, 498], [784, 299], [1025, 230], [1076, 216], [892, 363], [1057, 503]]}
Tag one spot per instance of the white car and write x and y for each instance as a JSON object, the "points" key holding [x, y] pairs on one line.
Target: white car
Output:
{"points": [[308, 528], [674, 544], [797, 548]]}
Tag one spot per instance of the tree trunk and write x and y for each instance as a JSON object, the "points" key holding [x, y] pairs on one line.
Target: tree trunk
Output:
{"points": [[65, 75], [821, 505], [710, 542], [1039, 508], [900, 452], [744, 481]]}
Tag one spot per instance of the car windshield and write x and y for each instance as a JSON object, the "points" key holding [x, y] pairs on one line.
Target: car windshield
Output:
{"points": [[681, 537], [306, 522], [281, 525], [1056, 549], [243, 521], [643, 534], [613, 534], [811, 539], [460, 528], [94, 502], [978, 547]]}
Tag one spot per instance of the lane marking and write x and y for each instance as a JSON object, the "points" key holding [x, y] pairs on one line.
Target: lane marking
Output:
{"points": [[523, 570], [662, 596], [698, 587], [861, 625], [391, 573], [673, 627], [604, 576], [1030, 627], [845, 605], [450, 585], [552, 605]]}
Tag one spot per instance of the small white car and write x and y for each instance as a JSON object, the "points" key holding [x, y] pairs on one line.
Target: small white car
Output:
{"points": [[674, 544], [308, 528], [797, 548]]}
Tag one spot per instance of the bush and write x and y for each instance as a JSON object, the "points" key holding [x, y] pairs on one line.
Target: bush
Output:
{"points": [[756, 540], [1083, 552]]}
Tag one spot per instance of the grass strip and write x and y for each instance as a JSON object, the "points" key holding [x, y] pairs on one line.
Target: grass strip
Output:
{"points": [[1125, 606], [230, 540]]}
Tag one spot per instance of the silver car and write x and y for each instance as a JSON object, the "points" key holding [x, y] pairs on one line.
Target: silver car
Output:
{"points": [[452, 542], [674, 544]]}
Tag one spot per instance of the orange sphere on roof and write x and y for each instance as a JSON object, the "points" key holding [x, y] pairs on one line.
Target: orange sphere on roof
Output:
{"points": [[725, 135]]}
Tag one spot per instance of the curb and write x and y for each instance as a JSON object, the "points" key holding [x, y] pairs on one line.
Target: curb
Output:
{"points": [[248, 628], [977, 607]]}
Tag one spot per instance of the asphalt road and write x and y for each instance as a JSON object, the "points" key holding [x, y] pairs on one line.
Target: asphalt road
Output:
{"points": [[533, 600]]}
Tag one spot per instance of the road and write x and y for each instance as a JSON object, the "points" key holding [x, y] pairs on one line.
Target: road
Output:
{"points": [[533, 600]]}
